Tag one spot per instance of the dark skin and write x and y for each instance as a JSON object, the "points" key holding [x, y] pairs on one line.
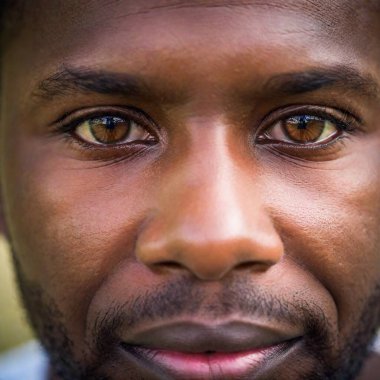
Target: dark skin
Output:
{"points": [[211, 163]]}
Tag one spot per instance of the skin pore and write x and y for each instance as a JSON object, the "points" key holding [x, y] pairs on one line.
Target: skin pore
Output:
{"points": [[195, 167]]}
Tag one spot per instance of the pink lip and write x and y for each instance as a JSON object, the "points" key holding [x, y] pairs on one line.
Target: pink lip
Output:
{"points": [[210, 365]]}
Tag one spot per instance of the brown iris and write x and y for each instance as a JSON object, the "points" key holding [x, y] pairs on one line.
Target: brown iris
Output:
{"points": [[109, 130], [304, 129]]}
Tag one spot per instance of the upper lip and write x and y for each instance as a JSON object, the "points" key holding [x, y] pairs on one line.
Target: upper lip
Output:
{"points": [[196, 337]]}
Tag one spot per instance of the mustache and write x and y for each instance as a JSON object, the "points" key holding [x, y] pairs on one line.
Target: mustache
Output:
{"points": [[186, 296]]}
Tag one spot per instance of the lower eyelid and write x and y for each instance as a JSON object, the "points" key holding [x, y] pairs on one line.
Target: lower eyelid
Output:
{"points": [[311, 152]]}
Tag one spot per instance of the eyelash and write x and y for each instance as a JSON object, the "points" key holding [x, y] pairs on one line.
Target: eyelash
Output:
{"points": [[66, 125], [344, 120]]}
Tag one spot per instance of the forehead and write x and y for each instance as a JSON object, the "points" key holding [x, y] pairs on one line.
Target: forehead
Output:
{"points": [[161, 35], [66, 24], [69, 24], [59, 16], [321, 7]]}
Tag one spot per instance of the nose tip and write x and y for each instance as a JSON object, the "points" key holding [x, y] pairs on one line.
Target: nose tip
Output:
{"points": [[209, 264], [205, 256]]}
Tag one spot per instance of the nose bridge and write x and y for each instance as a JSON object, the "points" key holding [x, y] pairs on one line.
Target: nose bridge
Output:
{"points": [[210, 217], [213, 197]]}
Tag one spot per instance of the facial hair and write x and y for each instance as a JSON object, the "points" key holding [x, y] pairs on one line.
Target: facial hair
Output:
{"points": [[185, 296]]}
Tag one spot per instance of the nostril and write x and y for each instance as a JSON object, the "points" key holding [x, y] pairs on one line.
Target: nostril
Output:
{"points": [[171, 264], [253, 266], [168, 265]]}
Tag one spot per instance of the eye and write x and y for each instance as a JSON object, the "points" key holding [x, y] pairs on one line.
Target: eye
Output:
{"points": [[111, 130], [302, 130]]}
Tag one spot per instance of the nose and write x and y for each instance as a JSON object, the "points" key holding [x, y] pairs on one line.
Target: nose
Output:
{"points": [[209, 220]]}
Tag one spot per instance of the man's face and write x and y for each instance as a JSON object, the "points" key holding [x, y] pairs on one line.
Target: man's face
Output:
{"points": [[191, 188]]}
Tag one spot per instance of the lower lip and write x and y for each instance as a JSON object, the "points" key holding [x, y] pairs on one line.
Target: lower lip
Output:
{"points": [[209, 365]]}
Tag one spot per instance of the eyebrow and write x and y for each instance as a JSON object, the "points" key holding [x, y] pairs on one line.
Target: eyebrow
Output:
{"points": [[69, 80], [340, 77]]}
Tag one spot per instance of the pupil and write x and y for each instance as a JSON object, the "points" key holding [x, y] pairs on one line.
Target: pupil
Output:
{"points": [[302, 123], [110, 123]]}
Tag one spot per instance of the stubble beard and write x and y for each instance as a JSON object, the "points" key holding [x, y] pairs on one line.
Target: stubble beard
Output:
{"points": [[46, 319]]}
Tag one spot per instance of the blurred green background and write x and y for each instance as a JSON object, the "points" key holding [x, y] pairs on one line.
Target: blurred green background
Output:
{"points": [[13, 327]]}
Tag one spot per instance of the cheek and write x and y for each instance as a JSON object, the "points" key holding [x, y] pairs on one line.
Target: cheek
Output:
{"points": [[71, 224], [329, 221]]}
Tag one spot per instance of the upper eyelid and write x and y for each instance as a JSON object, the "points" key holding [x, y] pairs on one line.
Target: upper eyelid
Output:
{"points": [[69, 121], [351, 121], [339, 123]]}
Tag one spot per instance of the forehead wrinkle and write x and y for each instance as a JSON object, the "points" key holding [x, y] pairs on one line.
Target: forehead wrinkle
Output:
{"points": [[85, 15], [311, 7], [327, 12], [329, 19]]}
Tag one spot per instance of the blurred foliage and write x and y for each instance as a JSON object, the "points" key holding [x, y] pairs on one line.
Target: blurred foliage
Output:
{"points": [[13, 327]]}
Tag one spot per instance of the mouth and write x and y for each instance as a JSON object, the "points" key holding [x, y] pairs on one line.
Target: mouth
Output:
{"points": [[192, 350]]}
